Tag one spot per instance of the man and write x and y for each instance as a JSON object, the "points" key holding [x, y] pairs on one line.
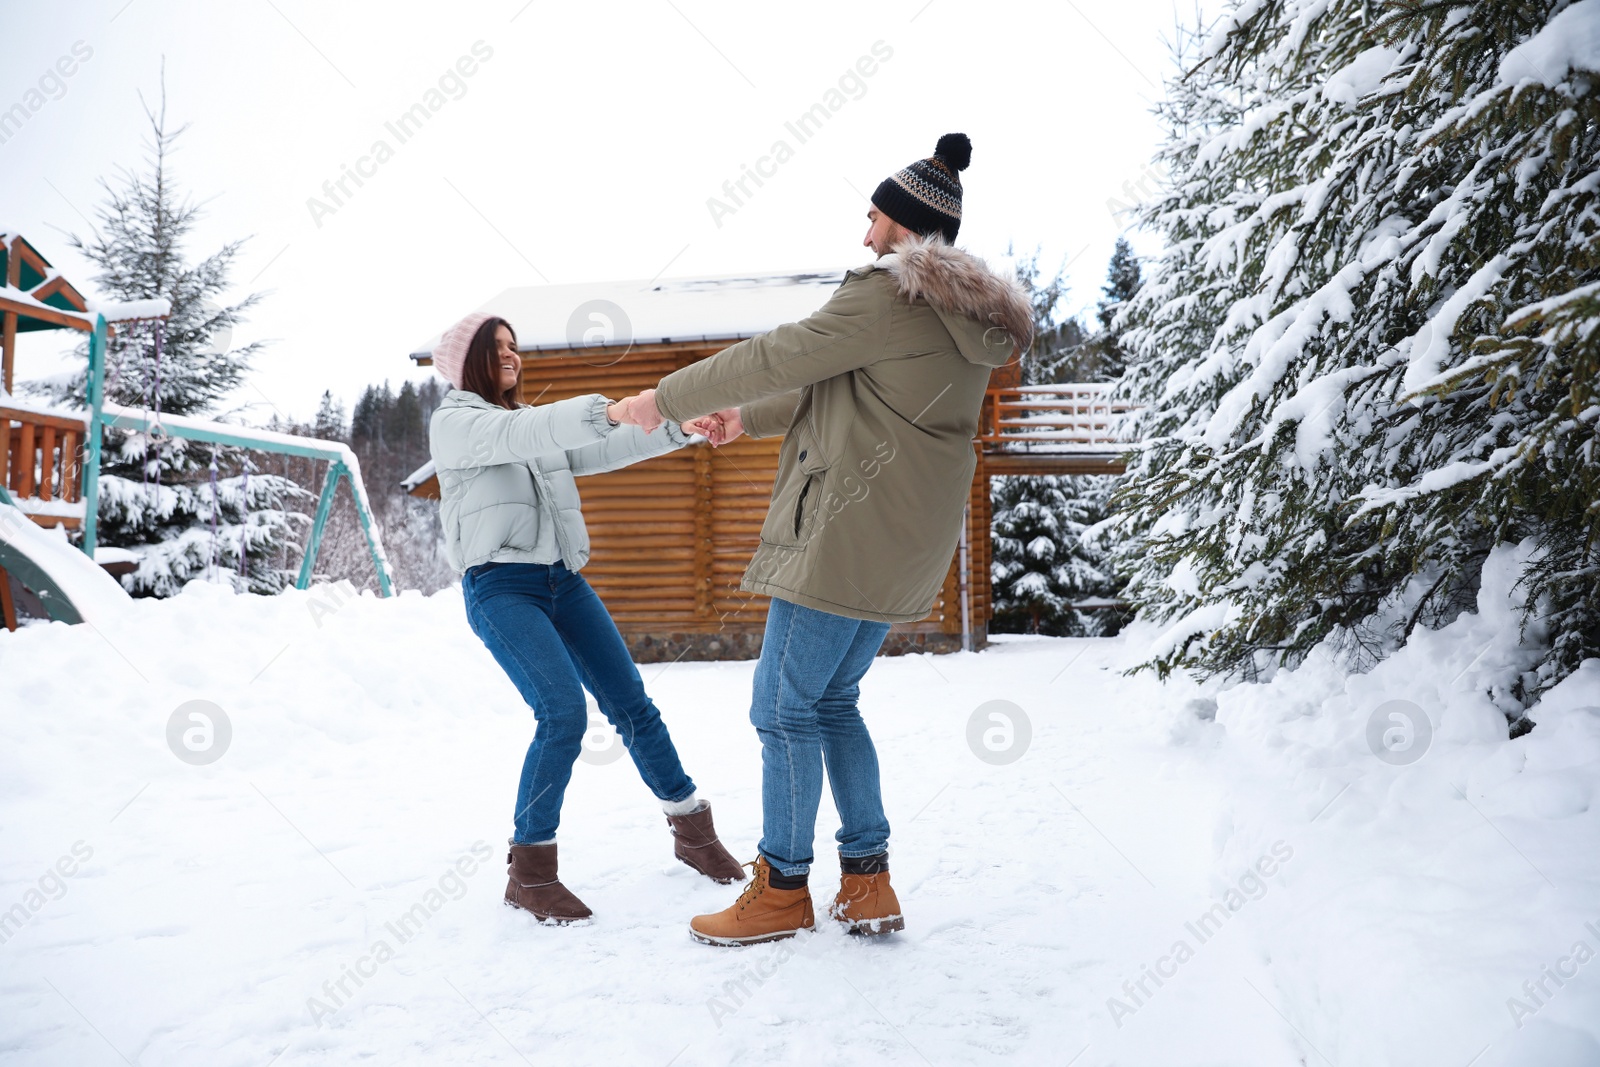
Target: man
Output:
{"points": [[877, 396]]}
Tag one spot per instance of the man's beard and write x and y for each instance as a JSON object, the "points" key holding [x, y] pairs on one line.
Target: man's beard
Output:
{"points": [[896, 234]]}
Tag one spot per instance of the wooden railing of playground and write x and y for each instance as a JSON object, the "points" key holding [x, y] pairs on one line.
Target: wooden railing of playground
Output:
{"points": [[42, 463], [1054, 418]]}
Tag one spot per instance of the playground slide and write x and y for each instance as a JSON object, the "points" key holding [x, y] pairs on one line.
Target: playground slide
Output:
{"points": [[70, 585]]}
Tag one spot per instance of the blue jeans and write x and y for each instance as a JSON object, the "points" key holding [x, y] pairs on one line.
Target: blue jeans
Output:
{"points": [[548, 630], [804, 710]]}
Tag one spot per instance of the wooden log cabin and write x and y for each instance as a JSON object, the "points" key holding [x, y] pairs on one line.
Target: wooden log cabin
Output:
{"points": [[672, 535]]}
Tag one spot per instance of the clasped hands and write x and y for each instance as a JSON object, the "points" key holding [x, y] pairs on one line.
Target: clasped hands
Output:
{"points": [[640, 410]]}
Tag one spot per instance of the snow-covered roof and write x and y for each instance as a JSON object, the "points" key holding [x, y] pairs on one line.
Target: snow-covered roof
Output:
{"points": [[725, 307], [44, 290], [158, 307], [418, 476]]}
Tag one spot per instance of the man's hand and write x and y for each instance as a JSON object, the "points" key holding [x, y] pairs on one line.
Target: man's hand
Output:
{"points": [[639, 411], [731, 425], [719, 427]]}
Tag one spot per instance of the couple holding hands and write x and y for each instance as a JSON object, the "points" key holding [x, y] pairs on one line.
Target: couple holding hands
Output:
{"points": [[881, 386]]}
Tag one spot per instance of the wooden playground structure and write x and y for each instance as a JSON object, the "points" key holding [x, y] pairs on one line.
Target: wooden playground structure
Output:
{"points": [[50, 463]]}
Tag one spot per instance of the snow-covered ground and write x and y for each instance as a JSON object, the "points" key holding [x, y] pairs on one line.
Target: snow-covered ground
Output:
{"points": [[1164, 876]]}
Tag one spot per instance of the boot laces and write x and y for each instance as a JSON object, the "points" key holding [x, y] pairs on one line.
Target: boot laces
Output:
{"points": [[757, 884]]}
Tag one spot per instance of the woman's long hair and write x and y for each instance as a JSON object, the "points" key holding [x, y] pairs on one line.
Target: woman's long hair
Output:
{"points": [[480, 371]]}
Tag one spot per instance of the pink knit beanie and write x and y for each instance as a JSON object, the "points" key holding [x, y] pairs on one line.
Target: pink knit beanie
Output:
{"points": [[450, 354]]}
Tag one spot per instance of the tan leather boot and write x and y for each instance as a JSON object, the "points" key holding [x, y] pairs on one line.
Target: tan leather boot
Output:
{"points": [[533, 885], [761, 913], [866, 905], [694, 841]]}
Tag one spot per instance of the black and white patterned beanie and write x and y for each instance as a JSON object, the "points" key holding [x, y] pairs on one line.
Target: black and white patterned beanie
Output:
{"points": [[926, 196]]}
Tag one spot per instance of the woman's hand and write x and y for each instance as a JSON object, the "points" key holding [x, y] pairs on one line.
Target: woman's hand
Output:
{"points": [[707, 426], [640, 410], [617, 411]]}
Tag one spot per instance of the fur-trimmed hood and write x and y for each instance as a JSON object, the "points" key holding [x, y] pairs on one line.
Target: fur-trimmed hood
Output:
{"points": [[957, 283]]}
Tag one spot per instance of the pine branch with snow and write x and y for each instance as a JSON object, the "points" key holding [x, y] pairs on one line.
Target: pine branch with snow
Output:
{"points": [[1367, 355]]}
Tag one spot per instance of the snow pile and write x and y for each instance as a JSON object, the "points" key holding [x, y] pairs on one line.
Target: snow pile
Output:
{"points": [[1570, 41], [1431, 887]]}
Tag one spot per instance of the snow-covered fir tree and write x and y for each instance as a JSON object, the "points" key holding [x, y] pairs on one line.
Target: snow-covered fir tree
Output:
{"points": [[1048, 573], [1051, 575], [328, 423], [188, 510], [1102, 357], [1369, 352]]}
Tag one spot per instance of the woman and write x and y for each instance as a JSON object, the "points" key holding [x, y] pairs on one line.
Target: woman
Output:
{"points": [[512, 525]]}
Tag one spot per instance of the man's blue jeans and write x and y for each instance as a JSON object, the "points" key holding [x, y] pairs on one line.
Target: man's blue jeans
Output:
{"points": [[548, 630], [804, 709]]}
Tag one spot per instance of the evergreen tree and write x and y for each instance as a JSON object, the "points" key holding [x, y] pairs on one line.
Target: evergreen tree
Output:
{"points": [[1369, 352], [1102, 357], [186, 509], [1050, 574], [329, 422]]}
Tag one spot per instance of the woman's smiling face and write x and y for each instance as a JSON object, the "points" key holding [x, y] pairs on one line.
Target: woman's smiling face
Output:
{"points": [[510, 360]]}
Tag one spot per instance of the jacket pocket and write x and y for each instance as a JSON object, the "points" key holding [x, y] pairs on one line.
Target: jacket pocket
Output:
{"points": [[807, 495], [797, 492]]}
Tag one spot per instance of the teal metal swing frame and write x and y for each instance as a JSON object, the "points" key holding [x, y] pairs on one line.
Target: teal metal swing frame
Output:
{"points": [[219, 433]]}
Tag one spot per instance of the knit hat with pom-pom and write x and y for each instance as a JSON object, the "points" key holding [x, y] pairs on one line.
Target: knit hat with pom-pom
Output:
{"points": [[450, 354], [926, 196]]}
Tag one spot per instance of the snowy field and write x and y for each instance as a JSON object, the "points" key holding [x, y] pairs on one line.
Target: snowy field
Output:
{"points": [[1148, 874]]}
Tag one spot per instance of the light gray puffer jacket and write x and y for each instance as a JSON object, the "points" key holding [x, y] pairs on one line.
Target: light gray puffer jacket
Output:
{"points": [[507, 484]]}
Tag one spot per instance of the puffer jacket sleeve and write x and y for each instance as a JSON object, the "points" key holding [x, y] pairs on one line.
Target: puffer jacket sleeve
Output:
{"points": [[625, 445], [847, 333], [770, 416], [463, 437]]}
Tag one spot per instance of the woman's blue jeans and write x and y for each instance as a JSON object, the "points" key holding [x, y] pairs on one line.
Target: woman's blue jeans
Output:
{"points": [[804, 710], [548, 630]]}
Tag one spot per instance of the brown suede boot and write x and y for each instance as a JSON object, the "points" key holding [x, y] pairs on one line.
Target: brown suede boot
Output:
{"points": [[534, 886], [694, 841], [761, 913], [866, 905]]}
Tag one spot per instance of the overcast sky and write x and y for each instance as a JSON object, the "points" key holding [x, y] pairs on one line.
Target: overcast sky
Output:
{"points": [[584, 145]]}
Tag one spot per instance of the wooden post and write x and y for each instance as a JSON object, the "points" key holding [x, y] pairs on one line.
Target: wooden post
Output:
{"points": [[8, 609], [702, 532], [8, 343], [24, 457], [47, 464], [981, 518], [70, 463], [8, 331]]}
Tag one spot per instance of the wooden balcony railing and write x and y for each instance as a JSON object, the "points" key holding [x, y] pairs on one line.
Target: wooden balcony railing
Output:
{"points": [[1053, 418], [42, 465]]}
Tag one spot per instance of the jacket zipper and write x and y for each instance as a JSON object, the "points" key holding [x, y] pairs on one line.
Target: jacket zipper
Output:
{"points": [[547, 505]]}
